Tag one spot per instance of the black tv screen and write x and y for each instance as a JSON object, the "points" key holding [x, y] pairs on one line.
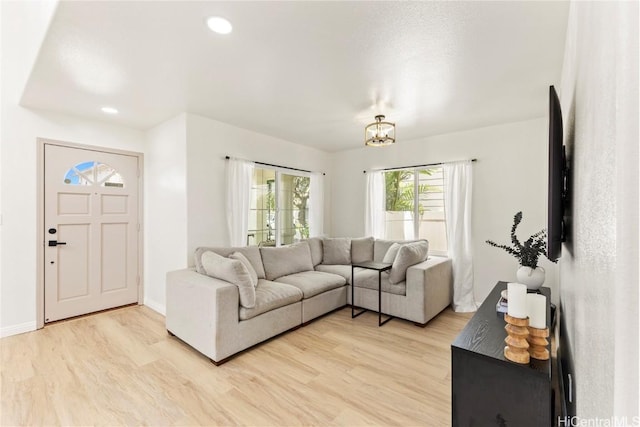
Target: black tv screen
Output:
{"points": [[557, 170]]}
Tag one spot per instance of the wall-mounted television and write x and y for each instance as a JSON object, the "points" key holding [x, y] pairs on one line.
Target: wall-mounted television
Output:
{"points": [[557, 192]]}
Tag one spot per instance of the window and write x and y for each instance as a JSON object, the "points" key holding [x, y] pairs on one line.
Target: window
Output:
{"points": [[415, 206], [92, 173], [279, 210]]}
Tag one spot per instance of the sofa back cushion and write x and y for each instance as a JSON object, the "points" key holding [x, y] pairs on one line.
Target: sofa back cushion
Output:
{"points": [[252, 271], [362, 249], [381, 246], [285, 260], [315, 244], [408, 255], [252, 253], [336, 251], [232, 271], [392, 252]]}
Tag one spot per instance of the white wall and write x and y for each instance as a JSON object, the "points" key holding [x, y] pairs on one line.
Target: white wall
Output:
{"points": [[599, 265], [185, 188], [20, 129], [208, 142], [165, 206], [510, 175]]}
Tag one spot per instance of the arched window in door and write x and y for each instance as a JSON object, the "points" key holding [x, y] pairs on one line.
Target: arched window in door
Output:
{"points": [[94, 173]]}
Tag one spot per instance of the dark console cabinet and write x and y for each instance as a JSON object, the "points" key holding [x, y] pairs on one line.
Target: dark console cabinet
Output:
{"points": [[489, 390]]}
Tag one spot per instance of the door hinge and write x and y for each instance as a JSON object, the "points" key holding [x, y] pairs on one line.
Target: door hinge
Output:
{"points": [[138, 226], [138, 281], [138, 171]]}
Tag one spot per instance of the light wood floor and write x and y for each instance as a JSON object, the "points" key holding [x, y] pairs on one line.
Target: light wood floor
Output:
{"points": [[121, 368]]}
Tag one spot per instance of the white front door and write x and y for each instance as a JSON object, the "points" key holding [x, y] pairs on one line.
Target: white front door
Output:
{"points": [[91, 231]]}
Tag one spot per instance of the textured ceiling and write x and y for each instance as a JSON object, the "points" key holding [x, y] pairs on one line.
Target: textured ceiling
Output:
{"points": [[313, 73]]}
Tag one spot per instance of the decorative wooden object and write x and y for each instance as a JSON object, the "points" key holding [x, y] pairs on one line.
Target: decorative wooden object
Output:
{"points": [[538, 343], [517, 335]]}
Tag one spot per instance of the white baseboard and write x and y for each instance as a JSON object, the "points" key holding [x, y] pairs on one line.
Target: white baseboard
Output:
{"points": [[155, 306], [7, 331]]}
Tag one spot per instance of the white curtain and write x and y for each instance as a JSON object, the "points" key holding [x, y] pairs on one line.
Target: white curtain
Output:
{"points": [[374, 219], [458, 180], [239, 177], [316, 205]]}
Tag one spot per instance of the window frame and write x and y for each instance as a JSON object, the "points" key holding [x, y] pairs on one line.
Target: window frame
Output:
{"points": [[278, 172], [416, 202], [93, 178]]}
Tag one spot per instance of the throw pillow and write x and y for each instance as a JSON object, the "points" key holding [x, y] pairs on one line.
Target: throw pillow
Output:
{"points": [[252, 271], [252, 253], [337, 251], [408, 255], [381, 246], [315, 244], [390, 256], [362, 249], [285, 260], [232, 271]]}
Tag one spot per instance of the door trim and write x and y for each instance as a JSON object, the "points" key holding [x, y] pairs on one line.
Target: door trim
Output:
{"points": [[40, 225]]}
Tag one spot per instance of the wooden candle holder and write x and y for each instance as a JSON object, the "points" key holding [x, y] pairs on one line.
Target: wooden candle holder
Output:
{"points": [[538, 343], [517, 334]]}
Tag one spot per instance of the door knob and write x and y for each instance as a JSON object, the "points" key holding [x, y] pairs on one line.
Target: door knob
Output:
{"points": [[56, 243]]}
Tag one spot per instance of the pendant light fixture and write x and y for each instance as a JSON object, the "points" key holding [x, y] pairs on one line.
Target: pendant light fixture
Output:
{"points": [[380, 133]]}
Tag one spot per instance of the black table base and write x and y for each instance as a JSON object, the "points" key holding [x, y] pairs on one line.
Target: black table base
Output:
{"points": [[369, 265]]}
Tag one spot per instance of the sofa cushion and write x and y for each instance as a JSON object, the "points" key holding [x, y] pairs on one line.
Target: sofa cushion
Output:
{"points": [[285, 260], [232, 271], [340, 270], [269, 296], [408, 255], [381, 246], [315, 244], [390, 256], [312, 283], [252, 272], [362, 249], [369, 279], [252, 253], [336, 251]]}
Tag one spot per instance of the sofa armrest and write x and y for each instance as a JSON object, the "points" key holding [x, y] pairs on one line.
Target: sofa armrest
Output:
{"points": [[431, 280], [433, 265], [201, 310]]}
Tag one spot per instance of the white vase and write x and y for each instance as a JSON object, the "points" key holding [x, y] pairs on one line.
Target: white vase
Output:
{"points": [[530, 277]]}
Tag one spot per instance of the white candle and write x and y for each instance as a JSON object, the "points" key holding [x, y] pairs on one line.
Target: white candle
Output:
{"points": [[537, 310], [517, 300]]}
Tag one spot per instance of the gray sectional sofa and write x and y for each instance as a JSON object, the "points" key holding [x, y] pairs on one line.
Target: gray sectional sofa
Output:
{"points": [[235, 298]]}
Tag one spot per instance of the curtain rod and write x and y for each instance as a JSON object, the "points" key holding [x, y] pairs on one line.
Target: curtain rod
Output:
{"points": [[272, 165], [416, 166]]}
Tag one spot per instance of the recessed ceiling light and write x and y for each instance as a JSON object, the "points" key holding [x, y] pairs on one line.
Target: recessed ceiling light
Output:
{"points": [[109, 110], [219, 25]]}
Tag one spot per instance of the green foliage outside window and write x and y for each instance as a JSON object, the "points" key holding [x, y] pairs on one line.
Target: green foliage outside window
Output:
{"points": [[300, 201], [399, 188]]}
